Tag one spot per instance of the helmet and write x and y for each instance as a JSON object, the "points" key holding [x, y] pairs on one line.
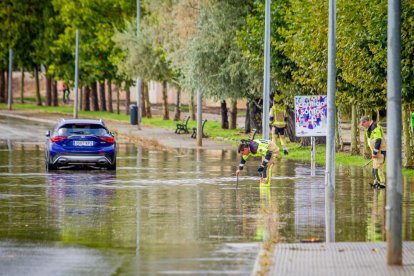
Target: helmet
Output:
{"points": [[243, 144]]}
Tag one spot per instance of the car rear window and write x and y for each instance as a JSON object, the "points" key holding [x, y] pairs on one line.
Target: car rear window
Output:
{"points": [[81, 129]]}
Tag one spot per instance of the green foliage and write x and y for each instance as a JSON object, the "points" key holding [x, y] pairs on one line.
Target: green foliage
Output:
{"points": [[214, 64], [362, 51]]}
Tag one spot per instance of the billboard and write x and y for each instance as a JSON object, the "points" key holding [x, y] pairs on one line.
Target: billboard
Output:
{"points": [[310, 115]]}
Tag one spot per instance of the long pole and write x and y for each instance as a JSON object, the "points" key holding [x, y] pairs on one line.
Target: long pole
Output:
{"points": [[138, 80], [266, 82], [10, 80], [393, 224], [199, 118], [330, 138], [75, 104]]}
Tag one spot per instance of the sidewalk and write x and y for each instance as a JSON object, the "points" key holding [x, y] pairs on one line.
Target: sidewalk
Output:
{"points": [[147, 136], [342, 258]]}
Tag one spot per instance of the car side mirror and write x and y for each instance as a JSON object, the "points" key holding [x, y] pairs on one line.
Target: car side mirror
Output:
{"points": [[47, 133], [112, 134]]}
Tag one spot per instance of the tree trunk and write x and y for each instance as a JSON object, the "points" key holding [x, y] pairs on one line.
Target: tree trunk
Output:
{"points": [[143, 101], [177, 113], [6, 93], [80, 96], [109, 88], [48, 91], [233, 114], [86, 96], [146, 100], [22, 86], [127, 99], [367, 151], [117, 99], [338, 140], [101, 85], [354, 130], [166, 115], [247, 126], [290, 126], [39, 99], [407, 137], [2, 86], [191, 106], [55, 99], [255, 115], [94, 96], [224, 115], [378, 115]]}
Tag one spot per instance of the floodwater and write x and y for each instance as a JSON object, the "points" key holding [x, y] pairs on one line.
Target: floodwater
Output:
{"points": [[170, 213]]}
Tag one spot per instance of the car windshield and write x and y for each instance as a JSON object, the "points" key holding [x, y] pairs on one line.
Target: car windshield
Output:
{"points": [[81, 129]]}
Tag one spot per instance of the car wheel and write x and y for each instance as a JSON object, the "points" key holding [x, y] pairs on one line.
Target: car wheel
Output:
{"points": [[49, 166], [112, 167]]}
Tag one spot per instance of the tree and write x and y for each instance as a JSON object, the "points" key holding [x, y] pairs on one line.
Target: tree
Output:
{"points": [[144, 57], [214, 63]]}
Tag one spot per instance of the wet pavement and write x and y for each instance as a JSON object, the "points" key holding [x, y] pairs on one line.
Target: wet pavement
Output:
{"points": [[175, 212]]}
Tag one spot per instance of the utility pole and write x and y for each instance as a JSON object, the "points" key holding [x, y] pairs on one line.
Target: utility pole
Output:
{"points": [[266, 73], [10, 80], [199, 118], [393, 223], [330, 137], [75, 104], [138, 80]]}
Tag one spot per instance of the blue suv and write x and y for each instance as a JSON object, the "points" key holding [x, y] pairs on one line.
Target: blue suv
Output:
{"points": [[80, 142]]}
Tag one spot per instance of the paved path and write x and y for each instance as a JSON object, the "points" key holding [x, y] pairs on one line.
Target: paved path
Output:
{"points": [[342, 258], [147, 136]]}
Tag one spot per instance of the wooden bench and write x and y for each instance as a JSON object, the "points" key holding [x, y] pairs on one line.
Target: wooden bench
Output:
{"points": [[194, 134], [183, 126]]}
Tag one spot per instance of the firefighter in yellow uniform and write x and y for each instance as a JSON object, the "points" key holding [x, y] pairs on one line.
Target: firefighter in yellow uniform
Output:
{"points": [[264, 148], [376, 140], [278, 119]]}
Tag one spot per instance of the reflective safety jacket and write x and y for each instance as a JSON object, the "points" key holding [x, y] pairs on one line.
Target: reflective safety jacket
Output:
{"points": [[263, 148], [376, 138], [278, 115]]}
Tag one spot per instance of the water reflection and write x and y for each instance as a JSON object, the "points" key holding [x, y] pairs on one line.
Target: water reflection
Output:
{"points": [[268, 223], [179, 212]]}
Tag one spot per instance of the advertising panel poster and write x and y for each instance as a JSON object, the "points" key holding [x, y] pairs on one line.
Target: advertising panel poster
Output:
{"points": [[310, 116]]}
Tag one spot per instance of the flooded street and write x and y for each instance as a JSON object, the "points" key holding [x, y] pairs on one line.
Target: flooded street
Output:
{"points": [[168, 212]]}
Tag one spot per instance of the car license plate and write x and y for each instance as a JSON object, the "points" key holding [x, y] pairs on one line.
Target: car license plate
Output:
{"points": [[83, 143]]}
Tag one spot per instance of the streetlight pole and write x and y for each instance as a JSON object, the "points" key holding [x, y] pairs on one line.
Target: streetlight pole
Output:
{"points": [[75, 104], [266, 82], [10, 80], [330, 138], [138, 80], [393, 224]]}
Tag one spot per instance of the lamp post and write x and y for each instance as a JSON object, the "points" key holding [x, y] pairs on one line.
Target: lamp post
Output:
{"points": [[75, 104], [266, 73], [330, 138], [138, 80]]}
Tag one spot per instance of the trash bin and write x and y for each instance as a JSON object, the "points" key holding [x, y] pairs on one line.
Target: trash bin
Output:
{"points": [[134, 114]]}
